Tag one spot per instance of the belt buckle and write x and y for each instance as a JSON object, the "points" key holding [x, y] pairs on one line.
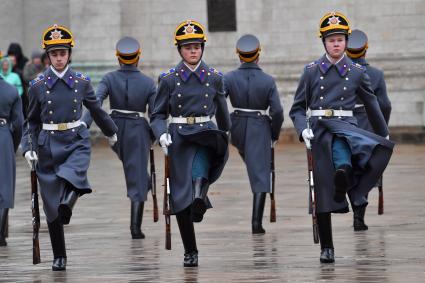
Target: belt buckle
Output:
{"points": [[62, 127], [329, 112], [190, 120]]}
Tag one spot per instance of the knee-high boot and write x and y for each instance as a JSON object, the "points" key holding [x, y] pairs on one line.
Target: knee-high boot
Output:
{"points": [[68, 201], [325, 234], [3, 225], [57, 238], [199, 205], [257, 213], [136, 219], [187, 233]]}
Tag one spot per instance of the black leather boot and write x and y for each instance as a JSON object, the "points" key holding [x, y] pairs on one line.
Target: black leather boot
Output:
{"points": [[342, 181], [199, 205], [68, 201], [136, 219], [358, 218], [57, 238], [325, 235], [257, 213], [3, 226], [187, 233]]}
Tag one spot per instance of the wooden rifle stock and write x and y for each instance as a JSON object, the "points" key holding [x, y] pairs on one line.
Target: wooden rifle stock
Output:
{"points": [[312, 196], [381, 197], [167, 203], [272, 198], [35, 217], [153, 182]]}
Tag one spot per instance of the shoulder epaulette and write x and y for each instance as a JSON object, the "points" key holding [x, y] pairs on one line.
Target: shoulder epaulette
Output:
{"points": [[37, 80], [82, 76], [357, 65], [216, 72], [312, 64], [169, 72]]}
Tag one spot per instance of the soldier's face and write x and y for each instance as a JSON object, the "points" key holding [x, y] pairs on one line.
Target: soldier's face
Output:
{"points": [[335, 45], [59, 59], [191, 53]]}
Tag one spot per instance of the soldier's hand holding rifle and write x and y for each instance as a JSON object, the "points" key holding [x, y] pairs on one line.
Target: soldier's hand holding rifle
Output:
{"points": [[31, 156], [165, 141], [307, 135]]}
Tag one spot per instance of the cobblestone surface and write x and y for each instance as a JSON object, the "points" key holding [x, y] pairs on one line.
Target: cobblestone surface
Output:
{"points": [[100, 248]]}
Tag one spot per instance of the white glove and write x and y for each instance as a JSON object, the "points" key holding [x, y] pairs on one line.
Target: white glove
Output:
{"points": [[164, 141], [31, 156], [388, 137], [274, 142], [112, 139], [307, 135]]}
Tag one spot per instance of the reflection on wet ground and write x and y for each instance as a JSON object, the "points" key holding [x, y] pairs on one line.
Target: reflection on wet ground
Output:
{"points": [[100, 248]]}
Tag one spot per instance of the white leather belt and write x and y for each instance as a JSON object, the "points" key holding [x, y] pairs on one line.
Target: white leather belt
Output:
{"points": [[61, 126], [358, 105], [141, 114], [263, 112], [189, 120], [3, 121], [332, 113]]}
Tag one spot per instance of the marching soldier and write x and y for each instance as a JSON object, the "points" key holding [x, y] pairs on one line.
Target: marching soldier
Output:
{"points": [[252, 92], [356, 50], [61, 142], [11, 119], [130, 92], [345, 156], [190, 95]]}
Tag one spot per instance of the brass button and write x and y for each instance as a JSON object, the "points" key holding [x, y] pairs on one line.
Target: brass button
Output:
{"points": [[322, 87], [180, 127], [178, 83], [179, 95], [207, 84], [73, 130], [180, 106], [75, 110], [76, 81], [76, 90], [346, 78], [49, 102], [201, 125], [50, 112], [209, 74], [342, 98], [345, 88], [321, 77], [205, 107], [51, 122], [52, 132], [75, 100], [320, 107], [321, 97], [206, 95], [48, 91]]}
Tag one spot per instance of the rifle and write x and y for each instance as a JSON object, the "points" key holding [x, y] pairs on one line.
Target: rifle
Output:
{"points": [[153, 182], [272, 181], [381, 197], [167, 203], [35, 212], [312, 195]]}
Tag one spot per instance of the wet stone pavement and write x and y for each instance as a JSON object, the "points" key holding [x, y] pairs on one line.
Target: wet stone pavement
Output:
{"points": [[100, 248]]}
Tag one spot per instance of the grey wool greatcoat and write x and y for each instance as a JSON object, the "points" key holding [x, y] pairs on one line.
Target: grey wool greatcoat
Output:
{"points": [[252, 133], [183, 93], [131, 90], [63, 156], [380, 90], [326, 86], [11, 120]]}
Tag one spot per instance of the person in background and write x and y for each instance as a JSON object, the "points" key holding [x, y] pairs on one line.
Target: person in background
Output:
{"points": [[9, 76]]}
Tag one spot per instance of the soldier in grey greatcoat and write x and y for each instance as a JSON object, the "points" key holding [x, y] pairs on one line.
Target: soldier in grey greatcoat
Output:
{"points": [[356, 50], [256, 121], [130, 93], [188, 96], [11, 120], [61, 142], [345, 157]]}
